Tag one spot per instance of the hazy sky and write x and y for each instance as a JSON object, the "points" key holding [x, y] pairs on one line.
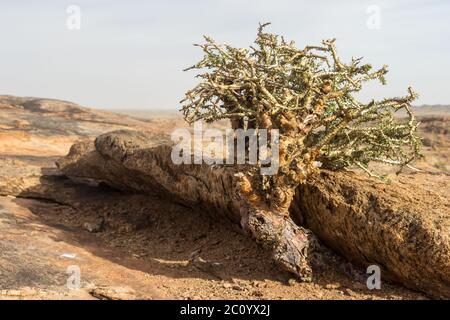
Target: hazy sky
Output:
{"points": [[129, 54]]}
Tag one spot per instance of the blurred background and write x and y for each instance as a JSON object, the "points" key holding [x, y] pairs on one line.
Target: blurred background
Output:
{"points": [[130, 54]]}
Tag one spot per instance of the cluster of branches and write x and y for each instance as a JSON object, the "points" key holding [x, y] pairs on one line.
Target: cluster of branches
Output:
{"points": [[309, 95]]}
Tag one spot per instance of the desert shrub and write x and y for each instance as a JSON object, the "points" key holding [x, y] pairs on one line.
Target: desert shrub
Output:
{"points": [[309, 95]]}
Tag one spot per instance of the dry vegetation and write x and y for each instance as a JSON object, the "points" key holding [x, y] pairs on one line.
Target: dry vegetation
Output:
{"points": [[309, 96]]}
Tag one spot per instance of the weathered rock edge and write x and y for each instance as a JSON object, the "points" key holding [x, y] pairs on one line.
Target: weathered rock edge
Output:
{"points": [[140, 162], [400, 227], [366, 221]]}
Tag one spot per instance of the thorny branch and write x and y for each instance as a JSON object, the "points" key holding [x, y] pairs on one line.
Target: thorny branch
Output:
{"points": [[308, 94]]}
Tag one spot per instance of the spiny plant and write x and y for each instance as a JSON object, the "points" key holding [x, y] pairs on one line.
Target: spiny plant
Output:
{"points": [[309, 96]]}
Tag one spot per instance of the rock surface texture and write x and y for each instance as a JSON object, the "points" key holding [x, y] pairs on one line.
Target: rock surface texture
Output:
{"points": [[175, 232], [404, 230], [138, 161], [400, 227]]}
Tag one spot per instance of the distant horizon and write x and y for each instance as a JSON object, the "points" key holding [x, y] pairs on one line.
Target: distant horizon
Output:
{"points": [[169, 110]]}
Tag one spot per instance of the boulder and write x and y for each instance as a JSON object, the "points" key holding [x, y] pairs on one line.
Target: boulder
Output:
{"points": [[405, 232]]}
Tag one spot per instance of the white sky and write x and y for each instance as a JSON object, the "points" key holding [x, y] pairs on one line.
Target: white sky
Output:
{"points": [[129, 54]]}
